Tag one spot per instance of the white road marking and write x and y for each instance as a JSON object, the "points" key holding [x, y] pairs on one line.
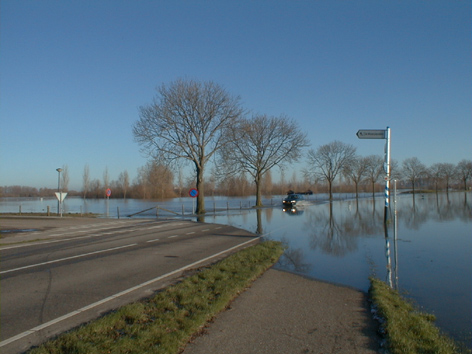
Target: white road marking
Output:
{"points": [[67, 258], [189, 233], [172, 236], [153, 240]]}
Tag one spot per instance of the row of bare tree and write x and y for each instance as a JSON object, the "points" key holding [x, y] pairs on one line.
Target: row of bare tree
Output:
{"points": [[155, 181], [199, 122]]}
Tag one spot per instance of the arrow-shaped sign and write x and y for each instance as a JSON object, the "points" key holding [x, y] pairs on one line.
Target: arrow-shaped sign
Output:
{"points": [[371, 134]]}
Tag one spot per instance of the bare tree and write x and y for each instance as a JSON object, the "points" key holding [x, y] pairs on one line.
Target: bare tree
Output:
{"points": [[413, 169], [464, 171], [65, 178], [447, 172], [262, 142], [434, 172], [123, 182], [86, 180], [330, 159], [187, 120], [374, 169], [106, 178], [356, 171]]}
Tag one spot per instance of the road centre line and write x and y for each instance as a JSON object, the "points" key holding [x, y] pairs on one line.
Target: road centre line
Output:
{"points": [[153, 240], [190, 233], [172, 236], [67, 258], [137, 287]]}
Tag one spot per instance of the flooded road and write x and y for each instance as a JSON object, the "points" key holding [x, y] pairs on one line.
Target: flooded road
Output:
{"points": [[345, 242]]}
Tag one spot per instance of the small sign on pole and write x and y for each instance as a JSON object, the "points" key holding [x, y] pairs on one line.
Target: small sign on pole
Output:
{"points": [[193, 193], [61, 196], [108, 192], [371, 134]]}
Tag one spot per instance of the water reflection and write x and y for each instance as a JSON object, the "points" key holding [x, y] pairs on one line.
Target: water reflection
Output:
{"points": [[337, 232]]}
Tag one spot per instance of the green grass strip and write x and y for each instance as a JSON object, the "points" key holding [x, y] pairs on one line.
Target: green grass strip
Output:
{"points": [[407, 329], [167, 321]]}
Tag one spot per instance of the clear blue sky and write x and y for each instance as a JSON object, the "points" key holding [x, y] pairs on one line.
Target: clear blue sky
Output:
{"points": [[73, 74]]}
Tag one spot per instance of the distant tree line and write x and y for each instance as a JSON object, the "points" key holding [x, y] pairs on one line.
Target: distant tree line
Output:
{"points": [[361, 174]]}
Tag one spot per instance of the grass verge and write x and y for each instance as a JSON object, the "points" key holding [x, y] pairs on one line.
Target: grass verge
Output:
{"points": [[408, 330], [167, 321]]}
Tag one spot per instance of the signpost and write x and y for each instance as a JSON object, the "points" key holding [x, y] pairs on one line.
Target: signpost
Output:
{"points": [[60, 198], [193, 193], [108, 193], [381, 134]]}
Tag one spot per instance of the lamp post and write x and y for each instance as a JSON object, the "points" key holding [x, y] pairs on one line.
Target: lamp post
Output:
{"points": [[59, 170]]}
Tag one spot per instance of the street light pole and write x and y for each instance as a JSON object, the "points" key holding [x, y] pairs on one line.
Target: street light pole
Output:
{"points": [[59, 170]]}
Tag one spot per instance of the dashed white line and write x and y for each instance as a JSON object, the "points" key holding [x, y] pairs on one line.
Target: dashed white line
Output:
{"points": [[189, 233], [153, 240], [205, 230], [172, 236], [67, 258]]}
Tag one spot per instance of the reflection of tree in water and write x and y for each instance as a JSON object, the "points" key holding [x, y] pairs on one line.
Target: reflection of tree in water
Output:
{"points": [[337, 233], [292, 259], [438, 207]]}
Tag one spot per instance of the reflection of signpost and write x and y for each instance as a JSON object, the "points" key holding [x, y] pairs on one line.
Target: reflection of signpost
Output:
{"points": [[193, 193], [381, 134], [60, 198]]}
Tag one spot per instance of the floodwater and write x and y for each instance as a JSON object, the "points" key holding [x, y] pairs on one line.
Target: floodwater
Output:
{"points": [[425, 252]]}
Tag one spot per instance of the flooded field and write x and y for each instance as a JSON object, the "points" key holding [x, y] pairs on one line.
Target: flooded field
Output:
{"points": [[426, 252]]}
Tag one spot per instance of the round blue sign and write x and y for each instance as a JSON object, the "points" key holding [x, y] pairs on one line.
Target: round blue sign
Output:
{"points": [[193, 193]]}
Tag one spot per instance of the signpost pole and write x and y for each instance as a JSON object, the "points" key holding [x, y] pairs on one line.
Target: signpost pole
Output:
{"points": [[387, 172], [381, 134], [108, 193]]}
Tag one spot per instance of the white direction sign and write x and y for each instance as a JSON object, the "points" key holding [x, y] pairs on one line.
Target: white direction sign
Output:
{"points": [[61, 196], [371, 134]]}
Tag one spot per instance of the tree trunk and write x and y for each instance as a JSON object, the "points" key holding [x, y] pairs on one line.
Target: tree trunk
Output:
{"points": [[330, 187], [258, 180], [201, 192]]}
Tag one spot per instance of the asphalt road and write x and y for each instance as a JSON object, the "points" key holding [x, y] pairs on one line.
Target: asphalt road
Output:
{"points": [[70, 272]]}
